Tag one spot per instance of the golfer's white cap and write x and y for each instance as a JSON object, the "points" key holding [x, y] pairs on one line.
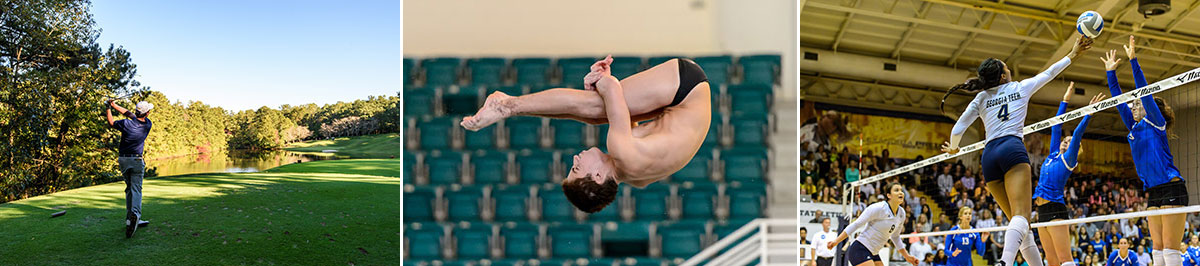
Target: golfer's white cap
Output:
{"points": [[144, 107]]}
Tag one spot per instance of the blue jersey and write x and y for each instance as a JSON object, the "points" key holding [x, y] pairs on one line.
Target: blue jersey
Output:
{"points": [[1058, 166], [1147, 138], [964, 242], [1192, 256], [1130, 259]]}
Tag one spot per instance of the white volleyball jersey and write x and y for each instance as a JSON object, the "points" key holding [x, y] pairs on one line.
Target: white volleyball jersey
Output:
{"points": [[881, 224], [1003, 107]]}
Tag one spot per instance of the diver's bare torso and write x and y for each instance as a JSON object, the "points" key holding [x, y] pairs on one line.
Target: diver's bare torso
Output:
{"points": [[673, 137]]}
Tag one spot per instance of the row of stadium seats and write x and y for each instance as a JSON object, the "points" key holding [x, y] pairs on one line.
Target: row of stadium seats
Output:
{"points": [[535, 132], [495, 71], [422, 102], [546, 202], [493, 196], [528, 166], [641, 240]]}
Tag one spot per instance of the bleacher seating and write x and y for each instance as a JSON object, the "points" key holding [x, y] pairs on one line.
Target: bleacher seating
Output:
{"points": [[494, 195]]}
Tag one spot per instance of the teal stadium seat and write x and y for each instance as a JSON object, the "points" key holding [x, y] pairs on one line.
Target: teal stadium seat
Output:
{"points": [[610, 213], [555, 206], [482, 139], [520, 240], [445, 167], [602, 135], [461, 101], [464, 202], [511, 202], [514, 90], [713, 138], [724, 228], [749, 100], [573, 70], [489, 166], [488, 71], [436, 132], [760, 69], [749, 130], [650, 203], [472, 240], [424, 240], [532, 71], [419, 102], [716, 68], [645, 262], [625, 66], [745, 164], [535, 166], [630, 239], [419, 203], [657, 60], [682, 239], [698, 200], [409, 66], [571, 240], [746, 200], [523, 132], [410, 167], [699, 169], [569, 134], [441, 72]]}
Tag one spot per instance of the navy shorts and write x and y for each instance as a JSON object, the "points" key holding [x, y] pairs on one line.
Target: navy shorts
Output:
{"points": [[1002, 154], [858, 253]]}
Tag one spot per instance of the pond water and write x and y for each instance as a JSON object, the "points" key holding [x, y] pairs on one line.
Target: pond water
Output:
{"points": [[229, 162]]}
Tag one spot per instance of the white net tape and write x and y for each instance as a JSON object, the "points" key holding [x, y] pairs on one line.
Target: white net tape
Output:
{"points": [[1188, 209]]}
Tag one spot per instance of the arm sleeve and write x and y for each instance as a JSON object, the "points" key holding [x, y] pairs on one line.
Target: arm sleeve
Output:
{"points": [[896, 234], [1031, 85], [964, 121], [1056, 130], [979, 246], [947, 245], [1112, 258], [1114, 88], [1139, 79], [130, 115], [1072, 155]]}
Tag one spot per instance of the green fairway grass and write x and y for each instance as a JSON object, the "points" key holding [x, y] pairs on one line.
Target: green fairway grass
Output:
{"points": [[300, 214], [370, 146]]}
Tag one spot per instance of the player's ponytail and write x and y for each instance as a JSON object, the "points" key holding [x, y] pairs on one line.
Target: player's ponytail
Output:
{"points": [[989, 73], [1168, 115]]}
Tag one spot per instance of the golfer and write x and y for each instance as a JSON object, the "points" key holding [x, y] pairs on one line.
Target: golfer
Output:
{"points": [[133, 137]]}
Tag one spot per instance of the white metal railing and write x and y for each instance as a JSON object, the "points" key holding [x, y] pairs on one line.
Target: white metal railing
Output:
{"points": [[770, 241]]}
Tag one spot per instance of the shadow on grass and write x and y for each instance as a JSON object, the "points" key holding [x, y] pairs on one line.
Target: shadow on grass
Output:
{"points": [[222, 219]]}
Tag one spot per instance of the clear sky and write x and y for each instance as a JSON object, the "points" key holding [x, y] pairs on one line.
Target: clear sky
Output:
{"points": [[248, 54]]}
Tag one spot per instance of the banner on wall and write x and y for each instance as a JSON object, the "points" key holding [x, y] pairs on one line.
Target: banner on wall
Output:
{"points": [[902, 137], [909, 138]]}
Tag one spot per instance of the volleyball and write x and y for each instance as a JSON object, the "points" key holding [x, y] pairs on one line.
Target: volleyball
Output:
{"points": [[1089, 24]]}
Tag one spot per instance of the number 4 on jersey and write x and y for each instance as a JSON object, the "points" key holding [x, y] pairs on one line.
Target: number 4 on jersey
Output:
{"points": [[1003, 115]]}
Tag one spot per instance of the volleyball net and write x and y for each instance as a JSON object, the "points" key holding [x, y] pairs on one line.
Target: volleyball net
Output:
{"points": [[850, 189]]}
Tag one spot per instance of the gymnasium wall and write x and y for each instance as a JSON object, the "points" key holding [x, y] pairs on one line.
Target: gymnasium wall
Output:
{"points": [[620, 27]]}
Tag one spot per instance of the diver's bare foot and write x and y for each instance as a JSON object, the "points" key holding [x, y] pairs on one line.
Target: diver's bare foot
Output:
{"points": [[496, 107]]}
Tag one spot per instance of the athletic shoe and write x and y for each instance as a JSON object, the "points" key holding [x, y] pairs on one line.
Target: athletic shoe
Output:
{"points": [[130, 226], [143, 223]]}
